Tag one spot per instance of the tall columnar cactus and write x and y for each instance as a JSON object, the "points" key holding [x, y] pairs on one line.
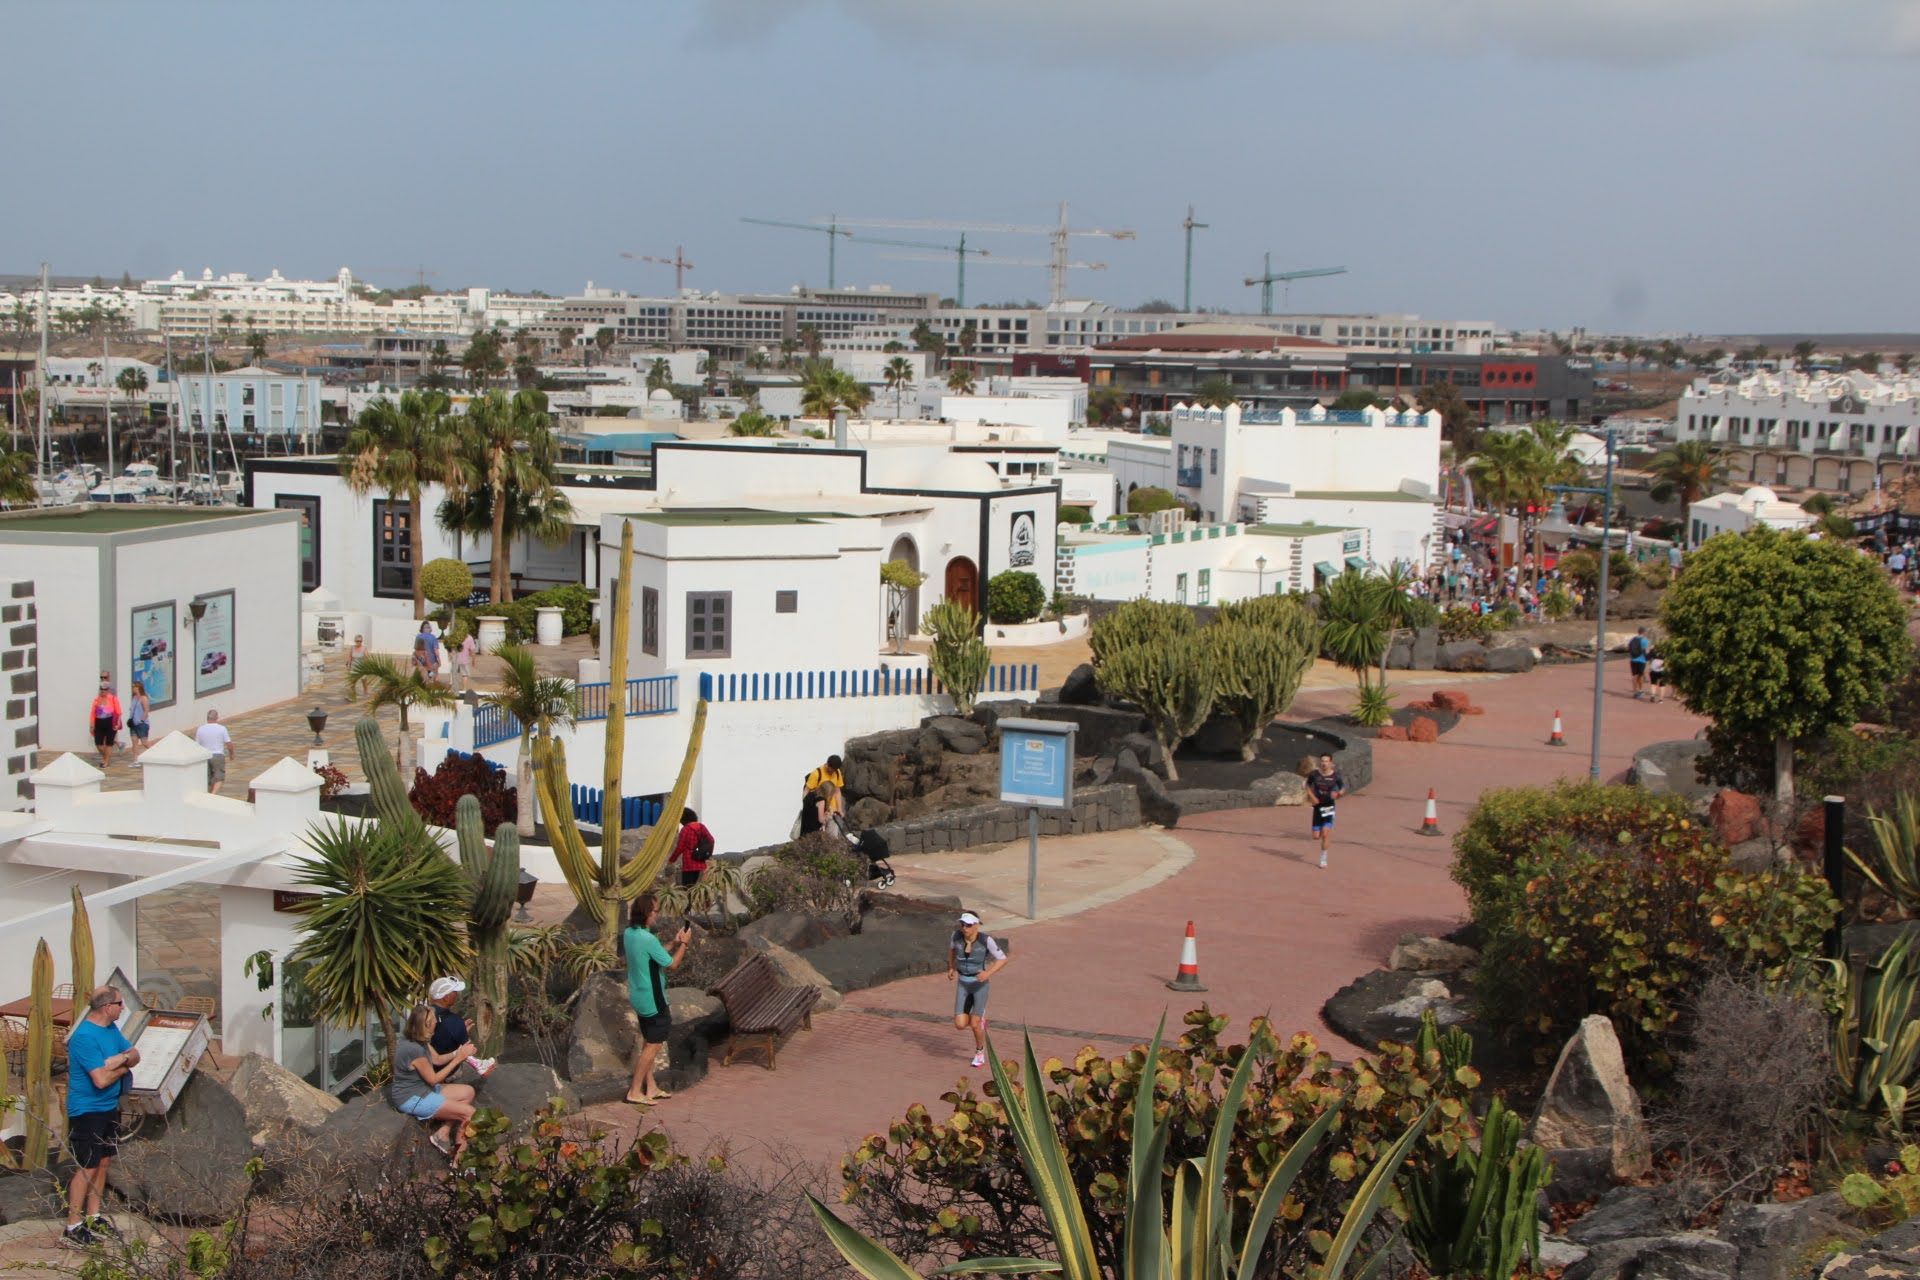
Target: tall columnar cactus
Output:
{"points": [[40, 1058], [384, 784], [619, 612], [80, 944], [495, 876]]}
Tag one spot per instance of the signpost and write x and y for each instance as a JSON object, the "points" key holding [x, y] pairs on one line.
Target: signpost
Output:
{"points": [[1036, 770]]}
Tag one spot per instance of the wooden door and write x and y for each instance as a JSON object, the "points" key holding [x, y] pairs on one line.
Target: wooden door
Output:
{"points": [[963, 582]]}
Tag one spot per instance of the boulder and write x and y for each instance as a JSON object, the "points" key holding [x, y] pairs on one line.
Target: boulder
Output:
{"points": [[891, 944], [1757, 854], [519, 1089], [283, 1111], [1426, 648], [188, 1165], [962, 737], [605, 1038], [367, 1143], [605, 1034], [867, 812], [1589, 1104], [1668, 768], [1392, 733], [1736, 816], [1146, 748], [1462, 655], [797, 972], [1772, 1238], [25, 1197], [1400, 653], [794, 930], [1690, 1255], [1512, 660], [1418, 953], [1452, 700], [1894, 1252], [988, 715], [1100, 728], [1284, 788], [1556, 1254], [1081, 688], [1423, 729], [1156, 803], [1626, 1213], [1383, 1005]]}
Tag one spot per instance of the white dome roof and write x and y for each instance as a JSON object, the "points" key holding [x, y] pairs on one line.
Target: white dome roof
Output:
{"points": [[659, 393], [1759, 493]]}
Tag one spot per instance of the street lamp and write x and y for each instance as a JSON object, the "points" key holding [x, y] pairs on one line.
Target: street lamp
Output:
{"points": [[317, 721], [1557, 524], [1260, 563]]}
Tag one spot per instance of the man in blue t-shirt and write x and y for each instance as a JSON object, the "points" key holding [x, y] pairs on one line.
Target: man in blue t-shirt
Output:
{"points": [[100, 1062]]}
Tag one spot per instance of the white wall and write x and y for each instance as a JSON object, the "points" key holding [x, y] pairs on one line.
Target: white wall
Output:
{"points": [[1046, 418], [1394, 530], [67, 580], [1144, 463]]}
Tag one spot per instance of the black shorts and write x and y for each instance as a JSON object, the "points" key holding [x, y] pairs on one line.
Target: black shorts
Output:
{"points": [[104, 733], [654, 1027], [1637, 669], [94, 1136], [688, 878], [1322, 817], [1657, 677]]}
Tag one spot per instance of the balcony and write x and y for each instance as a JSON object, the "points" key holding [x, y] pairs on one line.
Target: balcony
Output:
{"points": [[1187, 477]]}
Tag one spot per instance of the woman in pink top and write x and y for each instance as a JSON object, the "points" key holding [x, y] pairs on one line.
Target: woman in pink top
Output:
{"points": [[105, 715]]}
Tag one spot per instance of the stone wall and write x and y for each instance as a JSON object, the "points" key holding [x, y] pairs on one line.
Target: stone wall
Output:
{"points": [[1109, 808]]}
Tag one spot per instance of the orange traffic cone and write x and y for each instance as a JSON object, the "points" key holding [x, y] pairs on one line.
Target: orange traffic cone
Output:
{"points": [[1430, 825], [1188, 977], [1558, 738]]}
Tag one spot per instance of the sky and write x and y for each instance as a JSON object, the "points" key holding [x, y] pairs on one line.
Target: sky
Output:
{"points": [[1645, 166]]}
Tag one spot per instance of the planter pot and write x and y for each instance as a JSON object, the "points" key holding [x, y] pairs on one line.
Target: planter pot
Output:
{"points": [[904, 661], [493, 632], [1025, 634], [549, 625]]}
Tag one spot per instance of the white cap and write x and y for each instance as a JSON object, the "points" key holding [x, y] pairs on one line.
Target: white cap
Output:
{"points": [[444, 987], [967, 917]]}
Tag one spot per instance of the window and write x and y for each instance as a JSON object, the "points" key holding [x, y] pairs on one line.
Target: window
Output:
{"points": [[786, 602], [650, 621], [1206, 587], [709, 624], [1213, 462], [1180, 589], [392, 549], [309, 509]]}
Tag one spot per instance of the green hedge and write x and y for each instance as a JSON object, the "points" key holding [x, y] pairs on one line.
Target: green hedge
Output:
{"points": [[522, 616]]}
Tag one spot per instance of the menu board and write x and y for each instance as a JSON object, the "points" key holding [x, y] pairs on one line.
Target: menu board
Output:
{"points": [[155, 662], [213, 645], [161, 1042]]}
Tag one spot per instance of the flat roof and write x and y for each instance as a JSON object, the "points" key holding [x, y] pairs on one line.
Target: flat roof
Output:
{"points": [[1364, 495], [685, 517], [116, 518], [1297, 530]]}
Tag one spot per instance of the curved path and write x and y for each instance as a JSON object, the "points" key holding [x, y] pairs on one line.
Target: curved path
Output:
{"points": [[1276, 934]]}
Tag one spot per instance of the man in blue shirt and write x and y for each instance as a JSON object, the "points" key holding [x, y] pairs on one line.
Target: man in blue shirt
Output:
{"points": [[100, 1062]]}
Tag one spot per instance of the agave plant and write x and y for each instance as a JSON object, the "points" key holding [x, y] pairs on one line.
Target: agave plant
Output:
{"points": [[1201, 1242], [1895, 866], [1372, 706], [1476, 1214], [1876, 1035]]}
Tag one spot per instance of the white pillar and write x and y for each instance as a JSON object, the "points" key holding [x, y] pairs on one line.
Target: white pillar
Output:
{"points": [[248, 923], [286, 798], [171, 770], [63, 786]]}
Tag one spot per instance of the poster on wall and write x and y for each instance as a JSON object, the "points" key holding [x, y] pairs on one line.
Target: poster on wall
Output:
{"points": [[1020, 545], [213, 645], [154, 659]]}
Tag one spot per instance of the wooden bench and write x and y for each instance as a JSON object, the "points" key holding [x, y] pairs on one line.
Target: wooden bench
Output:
{"points": [[760, 1004]]}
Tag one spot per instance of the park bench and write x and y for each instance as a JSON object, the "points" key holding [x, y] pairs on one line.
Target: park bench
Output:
{"points": [[759, 1004]]}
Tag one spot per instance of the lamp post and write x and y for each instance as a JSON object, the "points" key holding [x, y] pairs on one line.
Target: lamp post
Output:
{"points": [[317, 757], [1557, 524], [1260, 563]]}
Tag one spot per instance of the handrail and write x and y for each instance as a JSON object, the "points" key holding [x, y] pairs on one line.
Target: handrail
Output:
{"points": [[855, 682]]}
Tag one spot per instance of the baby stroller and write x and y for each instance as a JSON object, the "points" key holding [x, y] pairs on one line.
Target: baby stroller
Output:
{"points": [[872, 846]]}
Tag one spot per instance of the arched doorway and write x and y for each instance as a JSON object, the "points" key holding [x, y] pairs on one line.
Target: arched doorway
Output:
{"points": [[904, 549], [963, 582]]}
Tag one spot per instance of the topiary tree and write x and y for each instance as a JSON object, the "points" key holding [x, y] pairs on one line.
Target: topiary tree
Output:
{"points": [[446, 582], [959, 658], [1152, 498], [1015, 596], [901, 580], [1171, 678], [1258, 664], [1778, 636], [1075, 515]]}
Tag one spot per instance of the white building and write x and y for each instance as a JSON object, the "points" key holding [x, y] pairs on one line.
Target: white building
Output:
{"points": [[200, 605], [251, 400], [20, 694], [1738, 512], [1163, 557], [1833, 431], [1045, 418]]}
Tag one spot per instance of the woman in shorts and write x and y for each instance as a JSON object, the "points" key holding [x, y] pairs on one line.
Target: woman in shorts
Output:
{"points": [[647, 964], [972, 959], [138, 711], [418, 1087]]}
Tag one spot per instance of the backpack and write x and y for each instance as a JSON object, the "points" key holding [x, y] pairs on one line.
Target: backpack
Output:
{"points": [[703, 845], [1637, 649]]}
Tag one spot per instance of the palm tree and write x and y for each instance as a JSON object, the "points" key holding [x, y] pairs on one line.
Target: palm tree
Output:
{"points": [[1686, 470], [386, 685], [401, 447], [898, 373], [1216, 392], [787, 347], [1355, 618], [17, 487], [603, 340], [508, 444], [960, 380], [377, 932], [540, 705], [544, 515], [132, 380], [257, 345], [1555, 464], [659, 374], [1506, 469], [810, 339], [753, 423], [567, 335], [826, 389]]}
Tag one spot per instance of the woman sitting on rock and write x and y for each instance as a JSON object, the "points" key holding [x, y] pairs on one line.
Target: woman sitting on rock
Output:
{"points": [[418, 1088]]}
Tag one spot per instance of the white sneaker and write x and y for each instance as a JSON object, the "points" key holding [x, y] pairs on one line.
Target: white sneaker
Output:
{"points": [[979, 1059], [1323, 862], [483, 1067]]}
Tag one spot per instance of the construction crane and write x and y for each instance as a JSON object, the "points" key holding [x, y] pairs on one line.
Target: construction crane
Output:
{"points": [[678, 262], [1059, 233], [832, 230], [961, 251], [1189, 226], [993, 260], [1268, 275]]}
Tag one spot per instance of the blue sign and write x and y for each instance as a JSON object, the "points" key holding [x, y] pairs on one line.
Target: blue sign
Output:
{"points": [[1036, 763]]}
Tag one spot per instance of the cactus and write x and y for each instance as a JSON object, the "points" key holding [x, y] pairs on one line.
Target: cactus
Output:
{"points": [[960, 658], [619, 615], [495, 877], [40, 1058], [1171, 679], [388, 790], [80, 943], [1476, 1213], [639, 874]]}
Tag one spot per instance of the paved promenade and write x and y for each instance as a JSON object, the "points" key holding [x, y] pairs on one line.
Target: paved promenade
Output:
{"points": [[1276, 933]]}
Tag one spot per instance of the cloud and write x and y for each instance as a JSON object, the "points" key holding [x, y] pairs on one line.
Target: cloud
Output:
{"points": [[1200, 32]]}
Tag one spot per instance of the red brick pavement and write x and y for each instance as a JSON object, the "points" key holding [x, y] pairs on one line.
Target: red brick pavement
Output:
{"points": [[1276, 934]]}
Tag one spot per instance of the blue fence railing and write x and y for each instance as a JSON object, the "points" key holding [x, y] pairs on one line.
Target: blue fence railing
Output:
{"points": [[493, 725], [589, 805], [646, 696], [854, 682]]}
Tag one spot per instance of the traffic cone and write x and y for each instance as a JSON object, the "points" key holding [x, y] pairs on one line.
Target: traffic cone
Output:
{"points": [[1558, 738], [1430, 825], [1188, 978]]}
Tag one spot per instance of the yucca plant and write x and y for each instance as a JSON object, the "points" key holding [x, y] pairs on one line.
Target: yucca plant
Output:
{"points": [[381, 928], [1876, 1034], [1895, 867], [1372, 705], [1201, 1241], [1475, 1215]]}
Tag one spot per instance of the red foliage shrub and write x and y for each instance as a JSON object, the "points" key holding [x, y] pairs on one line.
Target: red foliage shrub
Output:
{"points": [[435, 794]]}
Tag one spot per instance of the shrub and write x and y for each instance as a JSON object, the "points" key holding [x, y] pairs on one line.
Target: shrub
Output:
{"points": [[332, 780], [1014, 596], [1557, 603], [1461, 623], [1075, 515], [1595, 899], [446, 581], [1656, 574], [1145, 501], [522, 618], [814, 875], [1506, 617], [435, 794], [945, 1188]]}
